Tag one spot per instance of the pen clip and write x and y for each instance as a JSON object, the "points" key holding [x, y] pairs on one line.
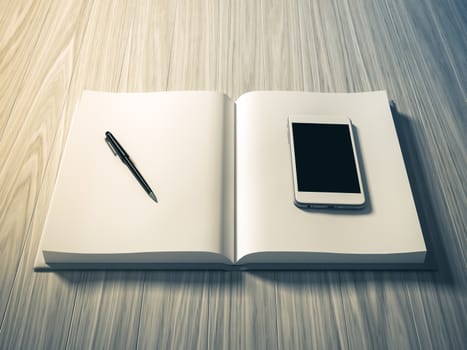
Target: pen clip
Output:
{"points": [[109, 143]]}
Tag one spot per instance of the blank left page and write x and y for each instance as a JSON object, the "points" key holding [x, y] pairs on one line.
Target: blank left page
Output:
{"points": [[176, 140]]}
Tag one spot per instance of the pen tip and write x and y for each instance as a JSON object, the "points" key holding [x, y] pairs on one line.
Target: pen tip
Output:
{"points": [[153, 196]]}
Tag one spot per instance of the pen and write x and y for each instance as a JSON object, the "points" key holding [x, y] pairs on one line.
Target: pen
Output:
{"points": [[119, 151]]}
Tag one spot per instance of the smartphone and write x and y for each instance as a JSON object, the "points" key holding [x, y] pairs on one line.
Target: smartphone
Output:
{"points": [[326, 171]]}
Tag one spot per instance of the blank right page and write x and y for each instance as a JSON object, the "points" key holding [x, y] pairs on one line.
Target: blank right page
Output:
{"points": [[271, 229]]}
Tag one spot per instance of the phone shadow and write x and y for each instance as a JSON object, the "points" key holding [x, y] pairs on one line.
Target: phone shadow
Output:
{"points": [[367, 207]]}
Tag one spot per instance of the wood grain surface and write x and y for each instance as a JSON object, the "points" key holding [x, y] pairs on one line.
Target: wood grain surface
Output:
{"points": [[51, 50]]}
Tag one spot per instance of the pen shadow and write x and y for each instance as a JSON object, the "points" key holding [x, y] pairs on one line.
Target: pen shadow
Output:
{"points": [[367, 208]]}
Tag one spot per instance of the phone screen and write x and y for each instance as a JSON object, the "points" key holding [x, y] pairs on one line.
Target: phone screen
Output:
{"points": [[324, 158]]}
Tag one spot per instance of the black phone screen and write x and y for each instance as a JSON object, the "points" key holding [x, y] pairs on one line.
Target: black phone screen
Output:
{"points": [[324, 158]]}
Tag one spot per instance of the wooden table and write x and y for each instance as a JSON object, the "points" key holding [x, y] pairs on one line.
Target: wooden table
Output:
{"points": [[51, 50]]}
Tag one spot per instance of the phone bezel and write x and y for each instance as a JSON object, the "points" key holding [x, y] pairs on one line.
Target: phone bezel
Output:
{"points": [[325, 199]]}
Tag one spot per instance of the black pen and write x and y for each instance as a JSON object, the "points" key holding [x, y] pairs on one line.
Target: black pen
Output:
{"points": [[119, 151]]}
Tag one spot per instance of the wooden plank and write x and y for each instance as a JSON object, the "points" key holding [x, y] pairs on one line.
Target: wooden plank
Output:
{"points": [[29, 135], [19, 24], [49, 52], [246, 62], [258, 321], [280, 37], [377, 311], [108, 305], [150, 44], [243, 305], [439, 311], [194, 54], [447, 25], [310, 314], [174, 312], [107, 310], [382, 56], [87, 70], [226, 310], [261, 39], [28, 141], [242, 310]]}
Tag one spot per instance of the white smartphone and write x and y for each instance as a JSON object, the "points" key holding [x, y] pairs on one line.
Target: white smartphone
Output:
{"points": [[326, 171]]}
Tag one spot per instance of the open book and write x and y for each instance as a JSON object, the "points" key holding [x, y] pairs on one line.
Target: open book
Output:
{"points": [[222, 173]]}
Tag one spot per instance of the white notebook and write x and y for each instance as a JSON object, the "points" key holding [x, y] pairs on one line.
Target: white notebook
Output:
{"points": [[221, 171]]}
